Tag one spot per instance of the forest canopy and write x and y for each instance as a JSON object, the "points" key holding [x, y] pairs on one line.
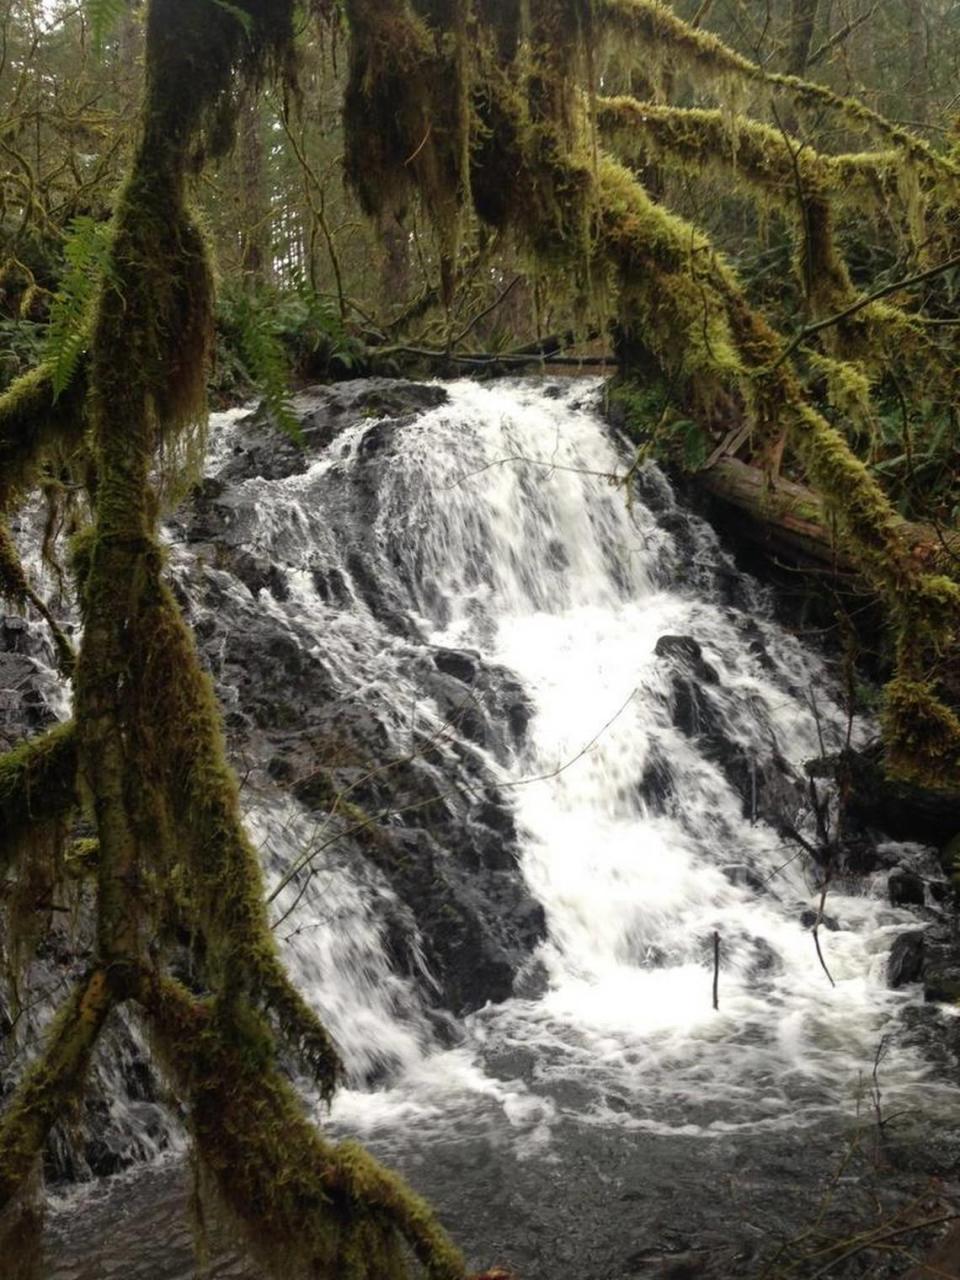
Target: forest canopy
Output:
{"points": [[755, 221]]}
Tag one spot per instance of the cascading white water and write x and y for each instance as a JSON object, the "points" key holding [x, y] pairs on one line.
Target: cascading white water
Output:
{"points": [[497, 529]]}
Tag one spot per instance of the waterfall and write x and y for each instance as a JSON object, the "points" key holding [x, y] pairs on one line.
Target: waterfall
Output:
{"points": [[518, 743], [491, 526]]}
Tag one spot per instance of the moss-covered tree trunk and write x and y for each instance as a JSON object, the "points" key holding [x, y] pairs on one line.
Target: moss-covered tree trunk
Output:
{"points": [[172, 854]]}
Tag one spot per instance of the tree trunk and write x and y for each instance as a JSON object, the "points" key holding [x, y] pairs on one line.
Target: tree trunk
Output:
{"points": [[917, 87], [791, 520], [803, 18], [255, 256]]}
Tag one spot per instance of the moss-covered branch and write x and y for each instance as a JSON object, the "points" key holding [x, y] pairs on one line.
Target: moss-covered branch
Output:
{"points": [[54, 1081], [754, 154], [781, 173], [309, 1207], [656, 28]]}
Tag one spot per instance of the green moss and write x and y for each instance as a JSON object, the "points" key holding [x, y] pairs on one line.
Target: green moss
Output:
{"points": [[34, 425], [310, 1208], [674, 301], [923, 735], [848, 387], [54, 1081], [38, 797], [38, 789], [654, 27]]}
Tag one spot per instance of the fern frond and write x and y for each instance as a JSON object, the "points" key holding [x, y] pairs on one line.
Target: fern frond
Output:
{"points": [[266, 361], [86, 254]]}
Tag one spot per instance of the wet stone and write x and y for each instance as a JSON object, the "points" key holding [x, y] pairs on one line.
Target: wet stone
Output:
{"points": [[738, 873], [905, 964], [905, 889], [809, 918], [686, 653]]}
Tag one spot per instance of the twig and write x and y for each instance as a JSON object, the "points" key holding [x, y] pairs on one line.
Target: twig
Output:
{"points": [[872, 1241], [855, 307], [816, 931], [486, 311]]}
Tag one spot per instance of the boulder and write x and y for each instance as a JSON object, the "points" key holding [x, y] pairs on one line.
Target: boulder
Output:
{"points": [[905, 888], [905, 964]]}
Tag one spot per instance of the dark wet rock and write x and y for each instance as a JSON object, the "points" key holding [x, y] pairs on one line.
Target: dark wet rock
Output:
{"points": [[767, 786], [437, 829], [905, 888], [281, 768], [941, 969], [756, 643], [516, 709], [273, 674], [532, 980], [809, 918], [460, 708], [24, 698], [934, 1032], [15, 635], [261, 449], [738, 873], [861, 856], [902, 810], [906, 962], [447, 1030], [655, 788], [686, 653], [942, 892], [377, 597], [258, 575], [477, 931], [459, 663], [331, 586], [764, 959]]}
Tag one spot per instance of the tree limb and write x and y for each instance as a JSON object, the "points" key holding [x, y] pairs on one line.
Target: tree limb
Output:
{"points": [[55, 1080]]}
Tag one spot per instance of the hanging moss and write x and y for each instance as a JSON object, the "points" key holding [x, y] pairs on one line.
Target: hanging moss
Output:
{"points": [[33, 424], [848, 388], [796, 180], [38, 797], [663, 272], [38, 789], [402, 68]]}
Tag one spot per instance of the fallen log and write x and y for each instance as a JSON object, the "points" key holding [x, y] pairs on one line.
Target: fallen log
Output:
{"points": [[790, 520]]}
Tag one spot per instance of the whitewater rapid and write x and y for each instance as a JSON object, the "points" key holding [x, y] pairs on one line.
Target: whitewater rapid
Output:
{"points": [[501, 529]]}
